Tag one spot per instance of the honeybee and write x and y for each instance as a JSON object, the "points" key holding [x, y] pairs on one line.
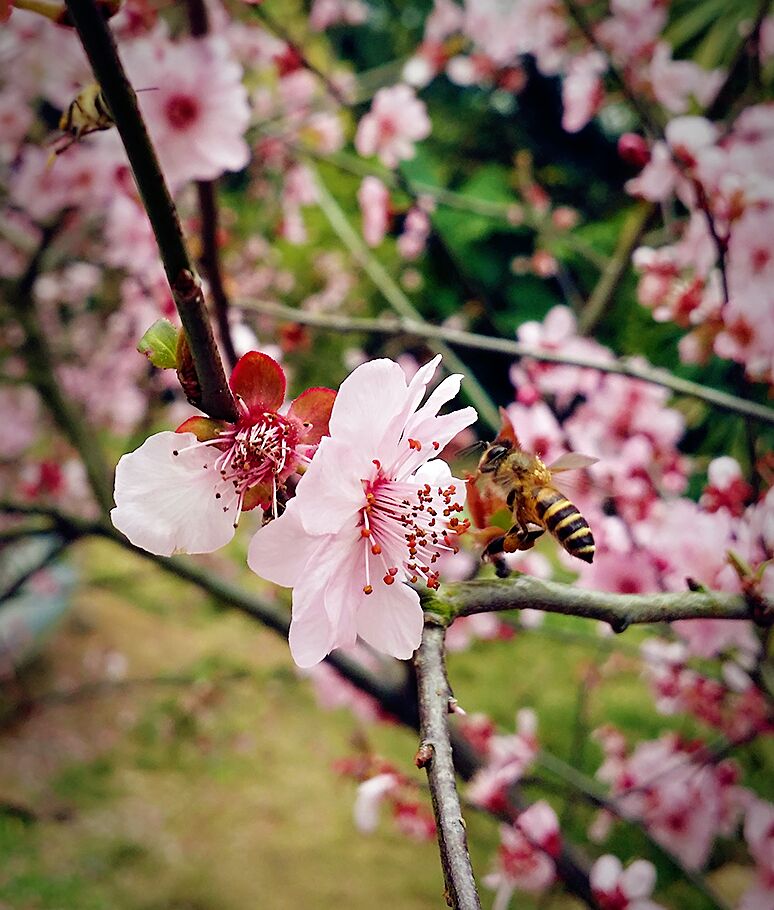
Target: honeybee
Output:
{"points": [[537, 506], [87, 113]]}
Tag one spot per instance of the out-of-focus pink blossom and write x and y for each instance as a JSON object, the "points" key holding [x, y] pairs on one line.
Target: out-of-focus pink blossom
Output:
{"points": [[396, 121], [326, 13], [371, 512], [616, 889], [759, 834], [684, 803], [198, 112], [374, 200], [674, 82], [582, 90], [524, 858], [508, 757], [416, 230]]}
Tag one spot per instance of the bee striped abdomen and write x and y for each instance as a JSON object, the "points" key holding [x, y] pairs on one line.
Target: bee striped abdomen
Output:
{"points": [[566, 523]]}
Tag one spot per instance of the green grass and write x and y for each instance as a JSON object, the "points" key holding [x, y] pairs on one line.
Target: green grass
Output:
{"points": [[217, 793]]}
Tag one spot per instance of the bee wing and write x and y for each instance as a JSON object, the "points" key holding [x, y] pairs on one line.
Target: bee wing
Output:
{"points": [[571, 461]]}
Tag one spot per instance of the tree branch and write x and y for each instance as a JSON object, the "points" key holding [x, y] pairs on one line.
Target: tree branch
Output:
{"points": [[416, 327], [472, 389], [435, 755], [464, 598], [199, 21], [100, 47], [42, 376], [614, 271]]}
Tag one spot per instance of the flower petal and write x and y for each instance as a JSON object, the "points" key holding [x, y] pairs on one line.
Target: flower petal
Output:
{"points": [[390, 619], [331, 493], [313, 407], [369, 399], [259, 381], [173, 503], [280, 550], [638, 881]]}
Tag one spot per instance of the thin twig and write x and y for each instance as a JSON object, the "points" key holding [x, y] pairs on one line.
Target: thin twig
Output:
{"points": [[472, 389], [613, 273], [210, 261], [411, 326], [199, 21], [435, 755], [99, 44], [465, 598], [42, 376], [53, 552]]}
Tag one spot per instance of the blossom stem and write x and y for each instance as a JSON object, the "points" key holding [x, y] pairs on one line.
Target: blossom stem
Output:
{"points": [[613, 273], [465, 598], [416, 327], [99, 44], [474, 391], [434, 694], [41, 374]]}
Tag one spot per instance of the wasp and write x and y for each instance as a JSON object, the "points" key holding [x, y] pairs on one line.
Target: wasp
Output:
{"points": [[536, 505]]}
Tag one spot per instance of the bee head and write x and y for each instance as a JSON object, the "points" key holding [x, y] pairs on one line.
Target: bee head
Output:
{"points": [[492, 458]]}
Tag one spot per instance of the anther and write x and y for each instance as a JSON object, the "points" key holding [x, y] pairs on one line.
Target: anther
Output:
{"points": [[388, 579], [415, 444], [376, 549], [367, 589], [365, 532]]}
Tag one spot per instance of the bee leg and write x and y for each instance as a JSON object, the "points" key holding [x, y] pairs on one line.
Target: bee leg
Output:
{"points": [[520, 538]]}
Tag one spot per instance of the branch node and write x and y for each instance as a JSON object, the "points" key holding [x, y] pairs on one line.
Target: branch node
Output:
{"points": [[619, 624], [187, 287], [424, 754]]}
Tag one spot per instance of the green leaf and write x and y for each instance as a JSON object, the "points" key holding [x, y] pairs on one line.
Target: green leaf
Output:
{"points": [[159, 344]]}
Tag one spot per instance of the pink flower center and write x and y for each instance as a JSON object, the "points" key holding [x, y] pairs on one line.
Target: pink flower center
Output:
{"points": [[258, 453], [181, 111], [405, 526]]}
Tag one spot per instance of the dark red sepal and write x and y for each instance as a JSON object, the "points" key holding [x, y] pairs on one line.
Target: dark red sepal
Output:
{"points": [[204, 428], [259, 382], [313, 409]]}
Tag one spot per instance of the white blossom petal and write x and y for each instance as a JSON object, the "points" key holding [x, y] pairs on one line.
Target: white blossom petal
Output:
{"points": [[167, 503]]}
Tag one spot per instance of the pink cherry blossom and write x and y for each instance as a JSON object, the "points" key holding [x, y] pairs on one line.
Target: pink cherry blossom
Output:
{"points": [[616, 889], [759, 834], [508, 758], [182, 492], [374, 200], [396, 121], [582, 90], [371, 513], [524, 858], [674, 82], [197, 113], [325, 13]]}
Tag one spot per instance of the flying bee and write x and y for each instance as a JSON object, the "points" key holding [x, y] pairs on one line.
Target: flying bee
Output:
{"points": [[87, 113], [536, 505]]}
